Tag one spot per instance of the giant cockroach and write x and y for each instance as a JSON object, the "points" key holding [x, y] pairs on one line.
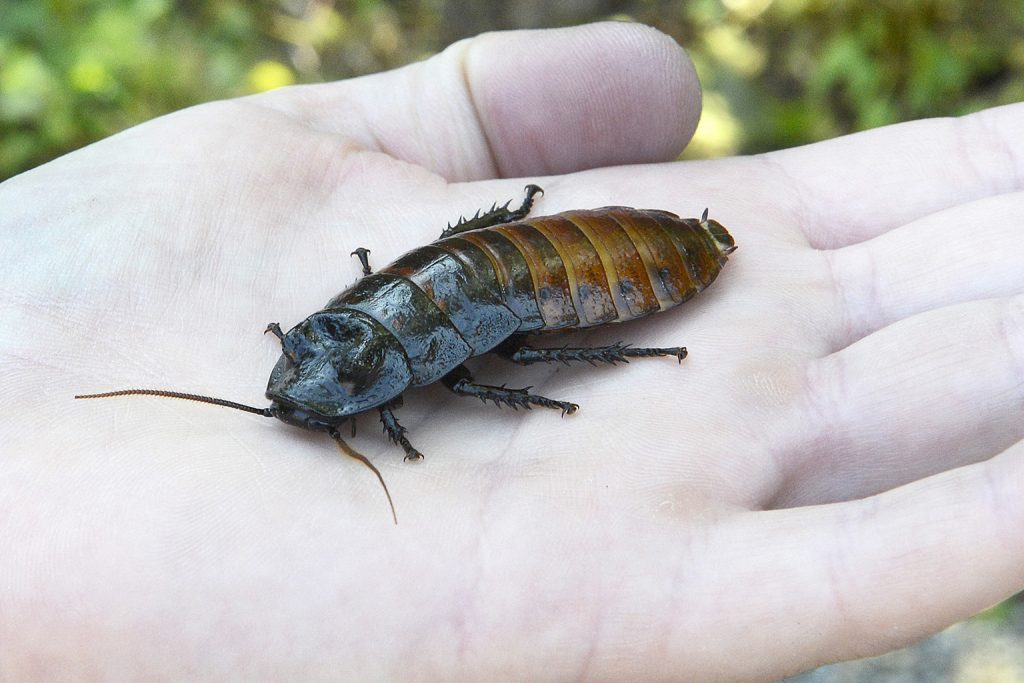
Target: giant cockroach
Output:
{"points": [[484, 285]]}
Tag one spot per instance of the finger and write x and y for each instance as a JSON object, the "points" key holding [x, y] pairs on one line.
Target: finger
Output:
{"points": [[889, 570], [971, 251], [519, 103], [923, 557], [928, 393], [856, 187]]}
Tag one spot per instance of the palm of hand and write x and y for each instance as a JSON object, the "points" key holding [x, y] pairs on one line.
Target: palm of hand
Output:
{"points": [[823, 368]]}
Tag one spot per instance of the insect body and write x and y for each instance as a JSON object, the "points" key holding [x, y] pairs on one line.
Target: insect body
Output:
{"points": [[484, 285], [479, 288]]}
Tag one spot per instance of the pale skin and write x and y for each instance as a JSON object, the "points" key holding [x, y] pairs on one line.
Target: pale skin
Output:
{"points": [[835, 471]]}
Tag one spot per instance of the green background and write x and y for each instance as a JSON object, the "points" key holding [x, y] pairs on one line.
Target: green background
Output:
{"points": [[776, 72]]}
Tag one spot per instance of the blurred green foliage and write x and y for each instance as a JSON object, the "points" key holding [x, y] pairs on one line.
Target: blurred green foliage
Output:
{"points": [[776, 72]]}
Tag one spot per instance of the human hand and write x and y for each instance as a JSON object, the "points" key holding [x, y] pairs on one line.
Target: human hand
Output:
{"points": [[831, 473]]}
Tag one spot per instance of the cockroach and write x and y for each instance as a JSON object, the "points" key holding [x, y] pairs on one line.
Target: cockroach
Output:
{"points": [[484, 285]]}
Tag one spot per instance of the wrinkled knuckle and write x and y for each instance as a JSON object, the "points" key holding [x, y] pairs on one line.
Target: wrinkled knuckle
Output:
{"points": [[1011, 332], [855, 283], [825, 394], [990, 155]]}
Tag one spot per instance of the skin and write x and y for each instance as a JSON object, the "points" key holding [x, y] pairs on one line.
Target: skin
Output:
{"points": [[835, 471]]}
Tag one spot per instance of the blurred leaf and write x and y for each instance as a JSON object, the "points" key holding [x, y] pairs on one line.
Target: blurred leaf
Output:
{"points": [[267, 75], [26, 86], [90, 76], [1000, 614]]}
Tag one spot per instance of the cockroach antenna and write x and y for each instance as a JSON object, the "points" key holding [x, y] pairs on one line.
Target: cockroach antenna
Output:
{"points": [[356, 455], [265, 412]]}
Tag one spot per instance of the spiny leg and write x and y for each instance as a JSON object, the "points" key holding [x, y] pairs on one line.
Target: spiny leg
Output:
{"points": [[460, 381], [517, 352], [496, 216], [361, 253], [275, 328], [395, 431]]}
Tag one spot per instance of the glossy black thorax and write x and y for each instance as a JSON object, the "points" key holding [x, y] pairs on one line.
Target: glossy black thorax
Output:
{"points": [[334, 364]]}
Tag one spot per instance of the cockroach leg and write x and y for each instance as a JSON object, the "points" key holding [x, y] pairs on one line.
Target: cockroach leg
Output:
{"points": [[615, 353], [496, 216], [460, 382], [275, 329], [396, 432], [362, 254]]}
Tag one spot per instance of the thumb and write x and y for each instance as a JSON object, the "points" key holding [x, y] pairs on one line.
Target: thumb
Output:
{"points": [[519, 103]]}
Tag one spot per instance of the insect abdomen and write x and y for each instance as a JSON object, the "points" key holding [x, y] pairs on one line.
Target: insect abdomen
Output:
{"points": [[586, 268], [463, 295]]}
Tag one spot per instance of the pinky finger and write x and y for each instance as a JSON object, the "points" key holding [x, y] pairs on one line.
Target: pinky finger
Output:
{"points": [[760, 595], [907, 563]]}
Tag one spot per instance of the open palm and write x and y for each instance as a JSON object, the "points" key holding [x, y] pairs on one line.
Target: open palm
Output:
{"points": [[799, 490]]}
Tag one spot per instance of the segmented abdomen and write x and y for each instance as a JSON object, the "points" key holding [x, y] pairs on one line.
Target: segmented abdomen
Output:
{"points": [[463, 295], [589, 267]]}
